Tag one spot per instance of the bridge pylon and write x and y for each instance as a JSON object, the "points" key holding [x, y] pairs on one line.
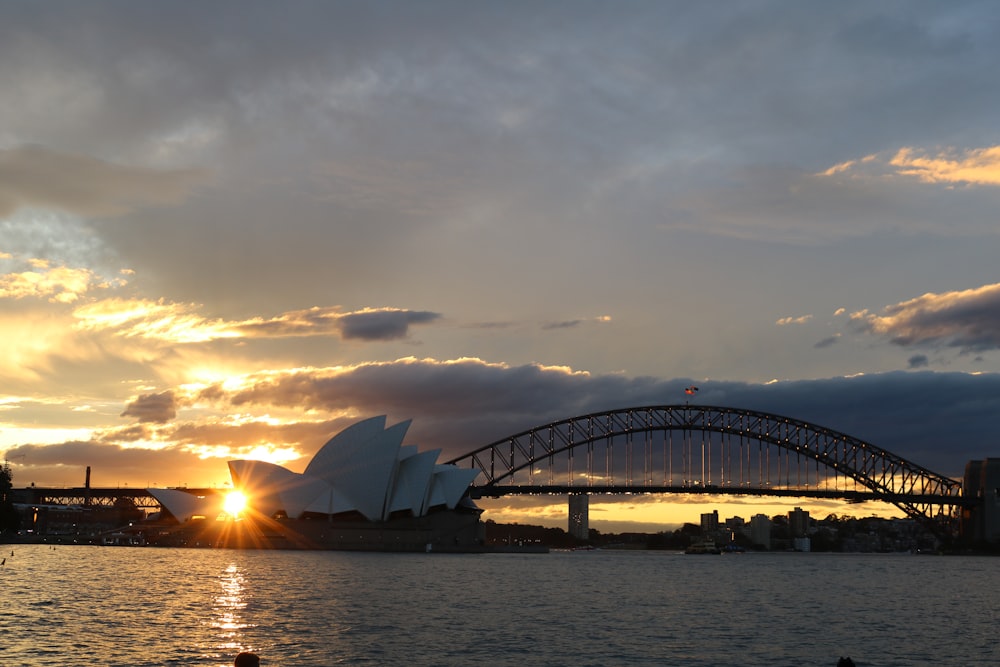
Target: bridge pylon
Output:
{"points": [[579, 516]]}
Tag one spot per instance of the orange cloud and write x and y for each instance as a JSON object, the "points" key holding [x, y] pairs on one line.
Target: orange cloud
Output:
{"points": [[785, 321], [971, 166], [59, 285], [180, 323], [978, 166]]}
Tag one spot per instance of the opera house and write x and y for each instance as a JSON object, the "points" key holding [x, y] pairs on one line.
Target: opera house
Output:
{"points": [[363, 490]]}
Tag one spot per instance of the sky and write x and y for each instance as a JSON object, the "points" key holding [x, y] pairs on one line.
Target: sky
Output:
{"points": [[231, 229]]}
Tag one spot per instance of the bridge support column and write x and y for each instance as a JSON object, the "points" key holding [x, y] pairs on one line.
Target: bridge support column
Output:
{"points": [[579, 516]]}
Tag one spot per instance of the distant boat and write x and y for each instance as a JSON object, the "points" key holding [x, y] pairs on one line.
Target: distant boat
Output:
{"points": [[706, 547]]}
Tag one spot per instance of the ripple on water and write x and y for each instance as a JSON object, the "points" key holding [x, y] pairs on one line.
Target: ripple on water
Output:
{"points": [[199, 607]]}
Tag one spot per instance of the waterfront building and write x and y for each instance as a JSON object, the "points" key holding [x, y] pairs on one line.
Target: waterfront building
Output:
{"points": [[760, 530], [363, 489], [710, 522], [798, 522]]}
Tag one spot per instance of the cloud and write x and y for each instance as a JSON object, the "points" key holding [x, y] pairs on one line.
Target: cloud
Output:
{"points": [[152, 408], [969, 166], [938, 420], [464, 403], [566, 324], [785, 321], [181, 323], [58, 284], [917, 361], [973, 166], [33, 176], [968, 320], [115, 465], [826, 342], [571, 324], [381, 324]]}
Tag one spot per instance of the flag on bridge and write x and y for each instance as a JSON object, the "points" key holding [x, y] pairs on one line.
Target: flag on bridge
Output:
{"points": [[691, 391]]}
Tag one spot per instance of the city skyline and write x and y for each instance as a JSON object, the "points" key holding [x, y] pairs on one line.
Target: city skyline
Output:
{"points": [[229, 231]]}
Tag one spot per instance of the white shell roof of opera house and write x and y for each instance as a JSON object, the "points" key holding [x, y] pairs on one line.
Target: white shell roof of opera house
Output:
{"points": [[365, 468]]}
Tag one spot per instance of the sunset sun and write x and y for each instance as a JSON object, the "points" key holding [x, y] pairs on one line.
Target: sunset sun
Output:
{"points": [[235, 503]]}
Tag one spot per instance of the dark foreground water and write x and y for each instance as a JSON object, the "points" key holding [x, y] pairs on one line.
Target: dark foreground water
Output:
{"points": [[105, 606]]}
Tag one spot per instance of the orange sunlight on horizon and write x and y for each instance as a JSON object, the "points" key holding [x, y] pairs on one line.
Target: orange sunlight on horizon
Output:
{"points": [[662, 514]]}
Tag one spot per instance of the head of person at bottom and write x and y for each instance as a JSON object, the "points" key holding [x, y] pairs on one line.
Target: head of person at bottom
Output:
{"points": [[247, 660]]}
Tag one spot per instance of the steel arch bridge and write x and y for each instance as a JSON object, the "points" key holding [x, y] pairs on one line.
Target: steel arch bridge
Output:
{"points": [[698, 449]]}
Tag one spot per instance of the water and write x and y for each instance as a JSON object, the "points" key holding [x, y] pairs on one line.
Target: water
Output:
{"points": [[131, 606]]}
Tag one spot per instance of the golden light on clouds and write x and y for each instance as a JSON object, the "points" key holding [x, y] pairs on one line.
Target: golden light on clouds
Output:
{"points": [[33, 339], [59, 284], [849, 165], [970, 166], [785, 321], [965, 318], [153, 320], [979, 166], [277, 454], [181, 323]]}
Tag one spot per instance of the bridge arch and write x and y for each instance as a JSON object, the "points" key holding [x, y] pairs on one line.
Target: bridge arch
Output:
{"points": [[708, 449]]}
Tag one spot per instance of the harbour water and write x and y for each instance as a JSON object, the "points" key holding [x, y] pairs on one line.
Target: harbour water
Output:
{"points": [[144, 606]]}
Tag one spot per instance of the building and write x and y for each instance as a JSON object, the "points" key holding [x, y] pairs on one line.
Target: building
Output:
{"points": [[798, 523], [735, 524], [760, 530], [710, 522], [362, 490], [579, 516], [982, 481]]}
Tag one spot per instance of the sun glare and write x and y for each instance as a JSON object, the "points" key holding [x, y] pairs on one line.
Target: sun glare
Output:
{"points": [[235, 503]]}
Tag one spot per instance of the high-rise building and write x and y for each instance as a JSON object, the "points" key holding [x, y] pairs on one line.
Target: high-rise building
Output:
{"points": [[760, 530], [579, 521], [798, 522], [710, 522]]}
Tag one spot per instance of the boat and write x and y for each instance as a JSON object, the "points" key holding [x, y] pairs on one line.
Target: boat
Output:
{"points": [[706, 547]]}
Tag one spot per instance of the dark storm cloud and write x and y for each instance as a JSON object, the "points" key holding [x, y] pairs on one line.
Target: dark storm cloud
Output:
{"points": [[382, 324], [918, 361], [937, 420], [38, 177], [968, 320], [152, 408]]}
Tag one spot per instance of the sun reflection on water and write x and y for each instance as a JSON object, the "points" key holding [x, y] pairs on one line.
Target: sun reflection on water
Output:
{"points": [[228, 608]]}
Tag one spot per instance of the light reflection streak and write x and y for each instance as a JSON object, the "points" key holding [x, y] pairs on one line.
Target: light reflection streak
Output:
{"points": [[228, 610]]}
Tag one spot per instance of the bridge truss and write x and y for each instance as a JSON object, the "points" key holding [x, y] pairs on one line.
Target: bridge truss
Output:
{"points": [[709, 450]]}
